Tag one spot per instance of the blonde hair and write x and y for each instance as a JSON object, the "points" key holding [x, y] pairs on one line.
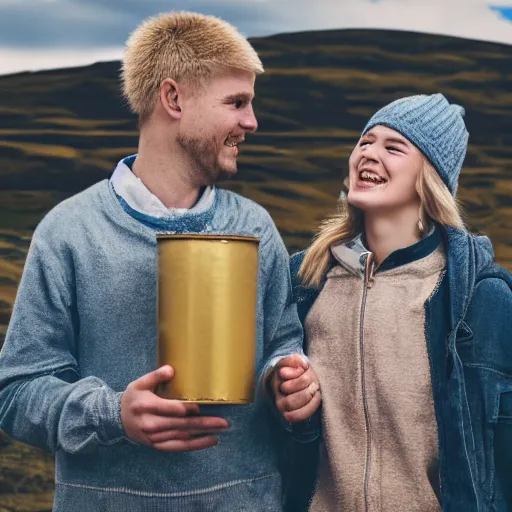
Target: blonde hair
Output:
{"points": [[437, 204], [185, 46]]}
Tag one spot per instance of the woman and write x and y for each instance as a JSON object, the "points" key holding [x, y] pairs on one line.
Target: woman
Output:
{"points": [[405, 319]]}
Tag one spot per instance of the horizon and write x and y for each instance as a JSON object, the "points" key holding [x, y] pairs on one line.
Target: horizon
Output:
{"points": [[41, 35], [87, 63]]}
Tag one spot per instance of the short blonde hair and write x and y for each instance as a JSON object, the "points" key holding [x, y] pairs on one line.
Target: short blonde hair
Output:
{"points": [[437, 205], [185, 46]]}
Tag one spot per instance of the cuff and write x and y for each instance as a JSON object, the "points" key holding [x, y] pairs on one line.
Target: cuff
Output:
{"points": [[109, 409]]}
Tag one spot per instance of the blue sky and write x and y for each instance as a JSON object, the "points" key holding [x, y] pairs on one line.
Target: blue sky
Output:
{"points": [[506, 12], [41, 34]]}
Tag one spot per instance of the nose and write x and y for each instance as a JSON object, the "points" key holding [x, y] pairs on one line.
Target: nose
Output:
{"points": [[249, 122], [369, 152]]}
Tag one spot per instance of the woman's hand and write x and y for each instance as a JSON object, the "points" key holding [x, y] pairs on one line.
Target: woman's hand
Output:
{"points": [[296, 388]]}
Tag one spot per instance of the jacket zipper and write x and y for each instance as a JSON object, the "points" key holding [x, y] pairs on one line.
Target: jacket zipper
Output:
{"points": [[367, 283]]}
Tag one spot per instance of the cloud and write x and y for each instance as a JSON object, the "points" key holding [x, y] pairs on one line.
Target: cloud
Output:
{"points": [[101, 25], [47, 23], [15, 61], [473, 19]]}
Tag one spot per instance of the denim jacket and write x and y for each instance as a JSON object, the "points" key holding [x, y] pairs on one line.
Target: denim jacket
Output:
{"points": [[470, 350]]}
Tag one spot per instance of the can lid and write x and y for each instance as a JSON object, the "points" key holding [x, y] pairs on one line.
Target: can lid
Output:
{"points": [[200, 236]]}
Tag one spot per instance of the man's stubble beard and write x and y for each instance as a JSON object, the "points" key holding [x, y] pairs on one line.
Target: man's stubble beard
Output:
{"points": [[203, 154]]}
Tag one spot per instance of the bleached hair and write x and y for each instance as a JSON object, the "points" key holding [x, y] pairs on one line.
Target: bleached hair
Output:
{"points": [[185, 46]]}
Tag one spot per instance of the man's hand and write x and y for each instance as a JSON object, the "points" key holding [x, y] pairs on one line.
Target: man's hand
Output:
{"points": [[296, 389], [166, 425]]}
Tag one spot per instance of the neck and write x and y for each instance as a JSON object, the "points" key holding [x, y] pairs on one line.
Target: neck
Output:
{"points": [[387, 232], [164, 171]]}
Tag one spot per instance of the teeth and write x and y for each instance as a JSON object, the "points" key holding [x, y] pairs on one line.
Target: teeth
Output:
{"points": [[365, 175], [232, 143]]}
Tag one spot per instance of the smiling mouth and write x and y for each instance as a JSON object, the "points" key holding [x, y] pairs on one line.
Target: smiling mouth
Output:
{"points": [[371, 177], [232, 142]]}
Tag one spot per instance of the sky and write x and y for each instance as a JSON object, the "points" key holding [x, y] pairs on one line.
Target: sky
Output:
{"points": [[44, 34]]}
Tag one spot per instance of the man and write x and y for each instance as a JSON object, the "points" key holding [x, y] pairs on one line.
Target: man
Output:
{"points": [[78, 364]]}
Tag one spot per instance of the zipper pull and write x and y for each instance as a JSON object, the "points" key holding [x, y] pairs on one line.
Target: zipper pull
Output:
{"points": [[369, 270]]}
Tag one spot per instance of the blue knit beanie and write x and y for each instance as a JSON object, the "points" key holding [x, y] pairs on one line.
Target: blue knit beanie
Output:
{"points": [[434, 126]]}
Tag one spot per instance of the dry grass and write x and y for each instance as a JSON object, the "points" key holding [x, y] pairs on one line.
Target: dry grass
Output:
{"points": [[317, 93]]}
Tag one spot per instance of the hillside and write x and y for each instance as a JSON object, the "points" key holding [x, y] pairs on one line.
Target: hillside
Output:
{"points": [[61, 131]]}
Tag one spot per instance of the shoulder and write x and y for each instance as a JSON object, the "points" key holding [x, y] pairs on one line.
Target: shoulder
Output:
{"points": [[63, 222], [241, 215], [471, 260], [232, 200], [491, 300], [494, 286], [488, 318], [496, 271]]}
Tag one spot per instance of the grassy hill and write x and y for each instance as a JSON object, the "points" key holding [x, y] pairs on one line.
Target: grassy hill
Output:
{"points": [[61, 131]]}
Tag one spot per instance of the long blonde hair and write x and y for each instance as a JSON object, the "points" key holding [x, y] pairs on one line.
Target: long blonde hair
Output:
{"points": [[437, 204]]}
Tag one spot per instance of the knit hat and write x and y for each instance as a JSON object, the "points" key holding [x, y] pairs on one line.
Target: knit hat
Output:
{"points": [[434, 126]]}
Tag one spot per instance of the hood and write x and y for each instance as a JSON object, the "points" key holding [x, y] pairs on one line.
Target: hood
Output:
{"points": [[469, 258]]}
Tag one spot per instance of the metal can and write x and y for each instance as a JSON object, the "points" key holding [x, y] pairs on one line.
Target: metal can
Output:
{"points": [[207, 289]]}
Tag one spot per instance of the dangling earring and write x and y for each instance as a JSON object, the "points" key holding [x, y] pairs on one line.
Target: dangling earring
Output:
{"points": [[421, 228]]}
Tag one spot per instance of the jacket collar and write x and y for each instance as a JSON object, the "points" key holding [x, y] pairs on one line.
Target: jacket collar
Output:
{"points": [[352, 255], [469, 258]]}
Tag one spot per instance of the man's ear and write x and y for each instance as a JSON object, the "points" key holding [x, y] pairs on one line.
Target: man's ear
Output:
{"points": [[170, 98]]}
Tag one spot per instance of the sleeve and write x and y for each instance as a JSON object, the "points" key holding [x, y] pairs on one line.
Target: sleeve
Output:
{"points": [[283, 330], [43, 400], [488, 320], [302, 448]]}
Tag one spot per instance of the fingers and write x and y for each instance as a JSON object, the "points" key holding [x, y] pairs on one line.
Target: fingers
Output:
{"points": [[169, 435], [151, 380], [179, 445], [299, 383], [288, 372], [295, 401], [164, 407], [167, 425], [304, 412], [153, 424], [276, 382], [294, 361]]}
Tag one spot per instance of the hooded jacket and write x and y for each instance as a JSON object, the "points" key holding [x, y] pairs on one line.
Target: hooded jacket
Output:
{"points": [[469, 343]]}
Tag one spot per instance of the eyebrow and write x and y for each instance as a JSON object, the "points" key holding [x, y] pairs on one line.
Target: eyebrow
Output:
{"points": [[397, 141], [389, 139], [245, 96]]}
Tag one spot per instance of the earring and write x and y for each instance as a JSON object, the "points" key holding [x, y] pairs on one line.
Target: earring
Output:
{"points": [[421, 228]]}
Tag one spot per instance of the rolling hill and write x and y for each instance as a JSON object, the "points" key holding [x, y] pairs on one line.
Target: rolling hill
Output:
{"points": [[61, 131]]}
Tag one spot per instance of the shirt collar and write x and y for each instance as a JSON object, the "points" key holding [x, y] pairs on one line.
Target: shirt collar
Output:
{"points": [[139, 198]]}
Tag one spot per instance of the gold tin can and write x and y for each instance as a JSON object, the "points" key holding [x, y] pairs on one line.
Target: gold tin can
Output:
{"points": [[207, 287]]}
